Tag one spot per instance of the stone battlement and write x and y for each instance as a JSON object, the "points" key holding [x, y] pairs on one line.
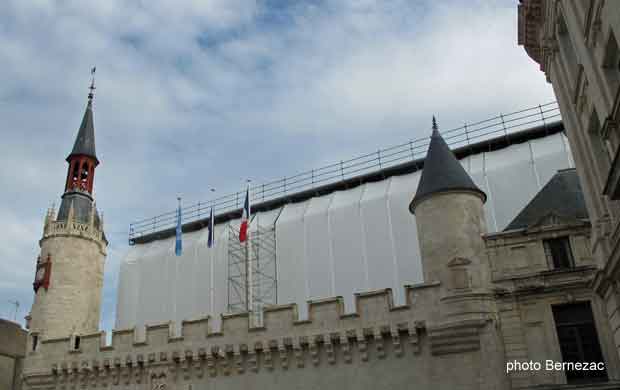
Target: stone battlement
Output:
{"points": [[376, 323]]}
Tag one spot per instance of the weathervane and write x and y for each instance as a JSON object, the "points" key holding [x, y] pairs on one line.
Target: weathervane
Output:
{"points": [[92, 83]]}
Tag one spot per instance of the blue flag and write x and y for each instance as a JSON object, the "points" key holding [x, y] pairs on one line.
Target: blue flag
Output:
{"points": [[178, 247], [211, 240]]}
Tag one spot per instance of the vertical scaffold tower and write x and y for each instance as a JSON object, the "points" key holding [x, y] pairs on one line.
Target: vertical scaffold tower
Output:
{"points": [[252, 272]]}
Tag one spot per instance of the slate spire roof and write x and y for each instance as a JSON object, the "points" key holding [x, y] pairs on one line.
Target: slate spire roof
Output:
{"points": [[561, 197], [85, 140], [442, 172]]}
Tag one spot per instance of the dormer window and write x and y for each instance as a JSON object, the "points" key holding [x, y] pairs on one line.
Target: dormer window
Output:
{"points": [[558, 252]]}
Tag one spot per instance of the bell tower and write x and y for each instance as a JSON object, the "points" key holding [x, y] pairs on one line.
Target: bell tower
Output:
{"points": [[69, 269]]}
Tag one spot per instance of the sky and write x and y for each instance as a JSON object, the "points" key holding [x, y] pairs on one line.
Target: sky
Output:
{"points": [[200, 94]]}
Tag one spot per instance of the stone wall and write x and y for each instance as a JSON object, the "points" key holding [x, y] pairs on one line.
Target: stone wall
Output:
{"points": [[379, 346], [12, 352]]}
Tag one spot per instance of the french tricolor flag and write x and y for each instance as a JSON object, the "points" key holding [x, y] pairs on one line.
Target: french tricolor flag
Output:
{"points": [[245, 217]]}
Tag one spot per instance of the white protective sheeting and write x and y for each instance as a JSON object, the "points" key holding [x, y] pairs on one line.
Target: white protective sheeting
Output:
{"points": [[341, 243]]}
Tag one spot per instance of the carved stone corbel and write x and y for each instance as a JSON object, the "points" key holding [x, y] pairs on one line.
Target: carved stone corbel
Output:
{"points": [[314, 352], [329, 351], [362, 345], [396, 343], [346, 349], [298, 353]]}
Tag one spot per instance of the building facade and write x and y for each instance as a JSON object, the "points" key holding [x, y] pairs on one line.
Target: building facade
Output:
{"points": [[489, 305], [575, 42]]}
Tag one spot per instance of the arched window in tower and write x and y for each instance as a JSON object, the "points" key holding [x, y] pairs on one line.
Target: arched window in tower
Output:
{"points": [[84, 172], [76, 172]]}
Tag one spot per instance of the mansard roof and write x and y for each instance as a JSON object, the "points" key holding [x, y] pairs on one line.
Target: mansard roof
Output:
{"points": [[442, 172], [561, 197]]}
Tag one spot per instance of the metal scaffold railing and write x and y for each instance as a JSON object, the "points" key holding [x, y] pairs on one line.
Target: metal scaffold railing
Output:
{"points": [[469, 133], [252, 279]]}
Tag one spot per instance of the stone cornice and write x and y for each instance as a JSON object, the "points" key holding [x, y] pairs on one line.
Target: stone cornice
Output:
{"points": [[536, 233], [548, 281]]}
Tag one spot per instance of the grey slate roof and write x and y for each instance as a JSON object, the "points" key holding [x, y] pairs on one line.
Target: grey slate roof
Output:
{"points": [[82, 206], [442, 172], [561, 196], [85, 140]]}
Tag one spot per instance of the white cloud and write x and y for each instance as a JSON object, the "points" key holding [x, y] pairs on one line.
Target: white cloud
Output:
{"points": [[199, 94]]}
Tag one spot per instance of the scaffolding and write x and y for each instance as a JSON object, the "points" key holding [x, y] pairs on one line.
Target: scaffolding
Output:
{"points": [[252, 272]]}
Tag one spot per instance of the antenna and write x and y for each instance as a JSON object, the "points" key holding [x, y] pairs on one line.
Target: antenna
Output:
{"points": [[16, 304]]}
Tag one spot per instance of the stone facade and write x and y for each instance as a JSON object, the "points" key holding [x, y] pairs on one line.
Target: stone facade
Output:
{"points": [[527, 287], [12, 352], [576, 44]]}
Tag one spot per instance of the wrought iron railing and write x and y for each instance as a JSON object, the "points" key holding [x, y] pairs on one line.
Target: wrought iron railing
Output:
{"points": [[469, 133]]}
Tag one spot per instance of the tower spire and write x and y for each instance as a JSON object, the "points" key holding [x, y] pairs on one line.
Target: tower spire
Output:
{"points": [[442, 172]]}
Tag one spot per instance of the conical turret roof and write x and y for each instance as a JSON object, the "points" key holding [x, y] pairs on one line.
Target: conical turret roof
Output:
{"points": [[442, 172], [85, 140]]}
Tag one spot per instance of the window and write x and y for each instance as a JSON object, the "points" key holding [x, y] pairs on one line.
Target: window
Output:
{"points": [[35, 342], [84, 174], [611, 62], [558, 253], [76, 171], [76, 343], [578, 340]]}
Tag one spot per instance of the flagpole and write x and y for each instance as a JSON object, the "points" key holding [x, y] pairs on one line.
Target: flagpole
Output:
{"points": [[212, 265], [248, 268], [176, 270], [211, 282]]}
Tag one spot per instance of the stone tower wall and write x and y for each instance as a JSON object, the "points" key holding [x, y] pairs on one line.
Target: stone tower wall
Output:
{"points": [[450, 229], [71, 304]]}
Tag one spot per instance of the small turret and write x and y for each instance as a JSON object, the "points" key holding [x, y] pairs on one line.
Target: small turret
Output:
{"points": [[450, 218]]}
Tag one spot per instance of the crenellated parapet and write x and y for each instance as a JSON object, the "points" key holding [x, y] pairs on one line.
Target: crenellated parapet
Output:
{"points": [[72, 227], [376, 330]]}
